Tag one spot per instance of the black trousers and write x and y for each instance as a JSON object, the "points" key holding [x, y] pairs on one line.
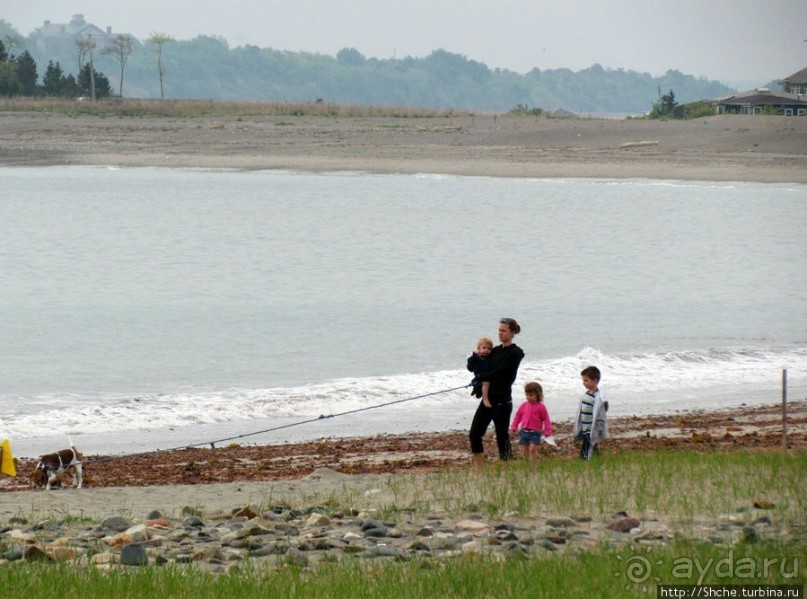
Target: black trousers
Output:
{"points": [[500, 416], [585, 447]]}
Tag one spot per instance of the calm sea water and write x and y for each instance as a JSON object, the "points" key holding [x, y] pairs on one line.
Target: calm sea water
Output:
{"points": [[155, 307]]}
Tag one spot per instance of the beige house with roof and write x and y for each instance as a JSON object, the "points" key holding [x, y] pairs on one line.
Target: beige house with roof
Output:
{"points": [[77, 28]]}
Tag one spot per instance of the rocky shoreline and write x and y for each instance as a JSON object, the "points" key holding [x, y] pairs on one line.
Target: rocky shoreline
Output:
{"points": [[274, 535]]}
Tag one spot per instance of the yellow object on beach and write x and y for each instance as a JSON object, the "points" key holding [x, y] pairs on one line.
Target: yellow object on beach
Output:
{"points": [[6, 459]]}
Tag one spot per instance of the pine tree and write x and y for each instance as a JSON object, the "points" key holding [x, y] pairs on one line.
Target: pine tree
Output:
{"points": [[26, 73]]}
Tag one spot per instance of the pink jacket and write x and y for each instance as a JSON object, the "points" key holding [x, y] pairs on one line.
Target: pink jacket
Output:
{"points": [[533, 416]]}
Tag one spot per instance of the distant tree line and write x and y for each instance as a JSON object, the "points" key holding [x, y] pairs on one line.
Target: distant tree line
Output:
{"points": [[206, 67], [19, 76]]}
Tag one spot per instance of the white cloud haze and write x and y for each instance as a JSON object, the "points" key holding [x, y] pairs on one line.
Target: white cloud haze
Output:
{"points": [[739, 42]]}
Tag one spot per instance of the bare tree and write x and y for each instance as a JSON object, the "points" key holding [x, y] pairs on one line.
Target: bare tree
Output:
{"points": [[159, 40], [84, 45], [120, 46]]}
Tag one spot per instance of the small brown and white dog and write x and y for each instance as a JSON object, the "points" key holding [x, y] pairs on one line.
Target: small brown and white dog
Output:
{"points": [[51, 467]]}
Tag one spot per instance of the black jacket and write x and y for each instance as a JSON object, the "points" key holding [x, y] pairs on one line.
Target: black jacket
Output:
{"points": [[504, 363], [478, 365]]}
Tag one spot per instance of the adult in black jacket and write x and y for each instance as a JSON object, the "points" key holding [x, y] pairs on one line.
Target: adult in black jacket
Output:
{"points": [[504, 362]]}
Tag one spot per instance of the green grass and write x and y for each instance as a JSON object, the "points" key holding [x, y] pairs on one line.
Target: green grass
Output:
{"points": [[683, 486], [604, 573]]}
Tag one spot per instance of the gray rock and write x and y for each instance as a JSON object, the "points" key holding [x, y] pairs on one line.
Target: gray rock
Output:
{"points": [[375, 533], [193, 522], [264, 551], [12, 554], [324, 545], [116, 523], [288, 530], [417, 546], [50, 525], [370, 523], [257, 531], [295, 557], [155, 515], [138, 532], [384, 551], [560, 522], [134, 554]]}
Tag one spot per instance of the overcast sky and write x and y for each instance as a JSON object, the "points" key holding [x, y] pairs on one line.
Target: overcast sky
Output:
{"points": [[743, 43]]}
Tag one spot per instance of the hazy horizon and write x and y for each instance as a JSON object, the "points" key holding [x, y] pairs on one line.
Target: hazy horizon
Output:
{"points": [[747, 47]]}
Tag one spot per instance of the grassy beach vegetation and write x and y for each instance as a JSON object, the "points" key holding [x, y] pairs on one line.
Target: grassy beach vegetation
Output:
{"points": [[206, 108], [680, 491], [684, 486]]}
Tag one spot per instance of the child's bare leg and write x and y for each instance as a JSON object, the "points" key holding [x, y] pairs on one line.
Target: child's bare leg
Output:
{"points": [[533, 451], [485, 388], [525, 451]]}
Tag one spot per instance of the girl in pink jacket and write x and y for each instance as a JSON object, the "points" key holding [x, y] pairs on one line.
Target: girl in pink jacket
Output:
{"points": [[533, 419]]}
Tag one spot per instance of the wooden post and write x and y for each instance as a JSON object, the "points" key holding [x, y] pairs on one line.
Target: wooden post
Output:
{"points": [[784, 409]]}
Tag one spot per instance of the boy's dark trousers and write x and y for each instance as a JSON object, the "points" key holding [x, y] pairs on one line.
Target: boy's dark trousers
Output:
{"points": [[585, 447]]}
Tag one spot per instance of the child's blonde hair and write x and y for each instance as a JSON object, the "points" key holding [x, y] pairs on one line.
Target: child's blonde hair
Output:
{"points": [[533, 388], [484, 341]]}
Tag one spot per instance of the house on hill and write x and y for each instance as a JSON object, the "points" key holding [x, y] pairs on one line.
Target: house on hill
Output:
{"points": [[77, 28], [756, 101], [795, 83]]}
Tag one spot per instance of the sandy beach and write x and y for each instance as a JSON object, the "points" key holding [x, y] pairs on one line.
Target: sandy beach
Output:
{"points": [[725, 148], [722, 148]]}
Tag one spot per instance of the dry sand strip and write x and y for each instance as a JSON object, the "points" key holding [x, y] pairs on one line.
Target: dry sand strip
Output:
{"points": [[232, 477], [720, 148]]}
